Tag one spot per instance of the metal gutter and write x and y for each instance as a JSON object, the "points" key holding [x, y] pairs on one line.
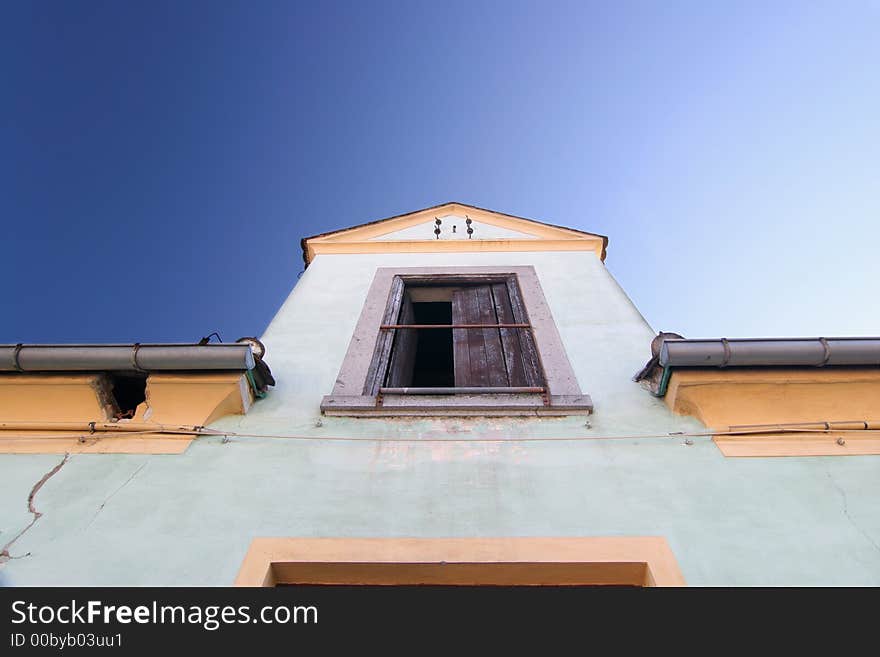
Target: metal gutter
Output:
{"points": [[125, 358], [770, 352]]}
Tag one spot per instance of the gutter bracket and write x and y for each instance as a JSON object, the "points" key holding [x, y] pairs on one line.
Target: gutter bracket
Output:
{"points": [[664, 382], [827, 349], [253, 384], [134, 357]]}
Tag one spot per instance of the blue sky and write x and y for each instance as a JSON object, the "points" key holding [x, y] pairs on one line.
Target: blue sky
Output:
{"points": [[161, 160]]}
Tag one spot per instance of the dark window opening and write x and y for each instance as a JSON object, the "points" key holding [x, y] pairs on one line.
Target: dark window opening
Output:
{"points": [[128, 391], [433, 360]]}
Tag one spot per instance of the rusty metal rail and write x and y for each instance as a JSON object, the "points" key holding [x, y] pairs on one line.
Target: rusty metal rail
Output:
{"points": [[387, 327], [467, 390]]}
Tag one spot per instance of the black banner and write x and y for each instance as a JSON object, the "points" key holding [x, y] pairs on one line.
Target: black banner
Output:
{"points": [[119, 620]]}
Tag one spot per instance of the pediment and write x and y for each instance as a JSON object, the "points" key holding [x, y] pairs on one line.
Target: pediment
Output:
{"points": [[414, 232]]}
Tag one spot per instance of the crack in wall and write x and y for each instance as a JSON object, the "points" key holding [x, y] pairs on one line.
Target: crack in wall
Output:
{"points": [[104, 503], [4, 553], [846, 512]]}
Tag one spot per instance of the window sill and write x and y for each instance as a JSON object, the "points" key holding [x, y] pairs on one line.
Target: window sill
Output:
{"points": [[487, 405]]}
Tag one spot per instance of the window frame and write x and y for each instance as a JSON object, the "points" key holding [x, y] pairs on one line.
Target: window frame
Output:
{"points": [[352, 394], [383, 353]]}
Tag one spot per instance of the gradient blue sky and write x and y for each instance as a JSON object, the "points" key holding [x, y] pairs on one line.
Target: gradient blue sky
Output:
{"points": [[161, 160]]}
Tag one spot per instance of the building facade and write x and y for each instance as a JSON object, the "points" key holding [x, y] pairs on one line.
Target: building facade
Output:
{"points": [[403, 441]]}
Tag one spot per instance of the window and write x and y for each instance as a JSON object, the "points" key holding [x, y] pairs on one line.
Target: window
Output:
{"points": [[455, 341], [455, 334]]}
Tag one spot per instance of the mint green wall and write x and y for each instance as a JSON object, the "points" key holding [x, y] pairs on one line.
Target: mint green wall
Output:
{"points": [[188, 519]]}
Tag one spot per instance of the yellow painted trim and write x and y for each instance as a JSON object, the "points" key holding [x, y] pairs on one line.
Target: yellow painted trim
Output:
{"points": [[48, 414], [639, 561], [194, 399], [50, 397], [548, 238], [46, 443], [800, 444], [455, 246], [729, 398]]}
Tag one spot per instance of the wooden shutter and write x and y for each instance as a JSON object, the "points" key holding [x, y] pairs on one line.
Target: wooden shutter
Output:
{"points": [[478, 353], [403, 354], [385, 340], [504, 357], [528, 351], [510, 338]]}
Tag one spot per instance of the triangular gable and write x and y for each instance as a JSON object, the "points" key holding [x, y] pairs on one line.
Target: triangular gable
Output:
{"points": [[413, 233]]}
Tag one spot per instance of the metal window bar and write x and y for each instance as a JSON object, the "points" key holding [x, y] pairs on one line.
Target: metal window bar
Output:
{"points": [[463, 390], [388, 327], [545, 394], [460, 390]]}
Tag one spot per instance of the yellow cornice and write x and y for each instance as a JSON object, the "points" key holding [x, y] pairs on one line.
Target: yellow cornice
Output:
{"points": [[456, 246], [847, 398], [48, 413]]}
